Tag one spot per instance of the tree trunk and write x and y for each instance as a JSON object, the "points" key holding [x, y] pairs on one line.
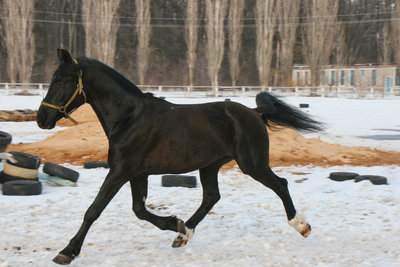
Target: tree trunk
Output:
{"points": [[101, 26], [235, 36], [143, 29], [318, 34], [288, 20], [191, 35], [19, 39], [215, 16], [265, 14]]}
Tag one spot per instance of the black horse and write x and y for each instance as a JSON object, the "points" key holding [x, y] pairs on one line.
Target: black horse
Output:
{"points": [[148, 135]]}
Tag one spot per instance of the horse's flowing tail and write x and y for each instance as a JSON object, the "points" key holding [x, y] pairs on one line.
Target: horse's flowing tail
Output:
{"points": [[278, 113]]}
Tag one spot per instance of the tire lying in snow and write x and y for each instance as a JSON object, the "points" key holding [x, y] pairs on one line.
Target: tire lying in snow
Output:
{"points": [[95, 164], [375, 179], [302, 105], [342, 176], [60, 171], [5, 140], [22, 188], [178, 180]]}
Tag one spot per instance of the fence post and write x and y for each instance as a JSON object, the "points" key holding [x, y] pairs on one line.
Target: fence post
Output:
{"points": [[216, 91], [160, 88], [6, 87], [40, 89]]}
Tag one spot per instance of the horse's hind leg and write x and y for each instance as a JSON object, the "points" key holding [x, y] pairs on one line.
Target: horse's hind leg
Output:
{"points": [[209, 182], [139, 187], [280, 187]]}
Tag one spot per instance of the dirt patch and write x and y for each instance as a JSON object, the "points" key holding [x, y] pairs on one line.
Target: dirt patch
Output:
{"points": [[87, 142]]}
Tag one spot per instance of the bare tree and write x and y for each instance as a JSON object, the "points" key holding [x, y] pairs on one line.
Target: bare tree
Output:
{"points": [[384, 44], [143, 29], [341, 46], [191, 35], [19, 39], [101, 28], [319, 32], [265, 13], [396, 32], [288, 20], [215, 16], [235, 32]]}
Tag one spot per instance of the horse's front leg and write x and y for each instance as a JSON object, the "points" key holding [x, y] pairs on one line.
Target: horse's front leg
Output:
{"points": [[139, 186], [110, 187]]}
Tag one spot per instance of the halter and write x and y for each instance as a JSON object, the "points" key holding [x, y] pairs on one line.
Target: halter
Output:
{"points": [[63, 109]]}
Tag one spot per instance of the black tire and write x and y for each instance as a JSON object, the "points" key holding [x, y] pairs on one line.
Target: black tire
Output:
{"points": [[22, 188], [304, 105], [178, 180], [4, 178], [96, 164], [25, 160], [342, 176], [375, 179], [60, 171], [5, 140]]}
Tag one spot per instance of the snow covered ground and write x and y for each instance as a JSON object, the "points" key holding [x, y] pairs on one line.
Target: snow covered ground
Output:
{"points": [[353, 224]]}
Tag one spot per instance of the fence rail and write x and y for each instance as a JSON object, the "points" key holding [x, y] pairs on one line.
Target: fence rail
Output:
{"points": [[323, 91]]}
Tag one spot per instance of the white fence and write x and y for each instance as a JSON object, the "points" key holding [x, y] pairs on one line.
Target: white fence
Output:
{"points": [[187, 91]]}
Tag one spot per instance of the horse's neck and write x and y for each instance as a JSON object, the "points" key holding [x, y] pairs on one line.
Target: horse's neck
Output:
{"points": [[110, 101]]}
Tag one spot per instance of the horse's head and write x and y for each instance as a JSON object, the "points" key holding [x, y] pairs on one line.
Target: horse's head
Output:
{"points": [[65, 93]]}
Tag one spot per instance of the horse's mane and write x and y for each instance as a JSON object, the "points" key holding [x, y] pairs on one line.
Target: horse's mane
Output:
{"points": [[124, 82]]}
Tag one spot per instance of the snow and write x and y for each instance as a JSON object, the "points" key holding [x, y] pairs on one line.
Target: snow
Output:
{"points": [[353, 224]]}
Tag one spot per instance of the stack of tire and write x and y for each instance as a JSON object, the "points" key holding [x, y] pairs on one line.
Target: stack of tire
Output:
{"points": [[21, 178]]}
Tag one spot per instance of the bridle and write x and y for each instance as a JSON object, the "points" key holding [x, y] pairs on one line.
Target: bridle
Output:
{"points": [[63, 109]]}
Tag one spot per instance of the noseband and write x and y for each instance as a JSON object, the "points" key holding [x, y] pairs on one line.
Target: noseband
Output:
{"points": [[63, 109]]}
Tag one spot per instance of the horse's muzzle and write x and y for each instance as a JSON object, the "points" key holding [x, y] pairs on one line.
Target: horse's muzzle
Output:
{"points": [[43, 121]]}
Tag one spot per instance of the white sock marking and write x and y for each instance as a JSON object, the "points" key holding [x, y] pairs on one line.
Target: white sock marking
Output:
{"points": [[299, 223]]}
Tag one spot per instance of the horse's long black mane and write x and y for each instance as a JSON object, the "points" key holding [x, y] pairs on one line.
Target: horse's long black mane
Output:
{"points": [[124, 83]]}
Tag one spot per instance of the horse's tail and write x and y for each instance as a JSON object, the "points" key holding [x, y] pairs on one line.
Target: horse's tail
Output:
{"points": [[278, 113]]}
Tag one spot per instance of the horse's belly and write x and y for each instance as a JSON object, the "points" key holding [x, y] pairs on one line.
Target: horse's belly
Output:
{"points": [[178, 156]]}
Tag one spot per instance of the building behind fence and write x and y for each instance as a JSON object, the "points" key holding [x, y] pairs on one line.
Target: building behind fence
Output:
{"points": [[336, 81], [361, 77]]}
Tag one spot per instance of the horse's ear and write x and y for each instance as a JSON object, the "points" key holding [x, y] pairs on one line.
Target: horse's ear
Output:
{"points": [[64, 55]]}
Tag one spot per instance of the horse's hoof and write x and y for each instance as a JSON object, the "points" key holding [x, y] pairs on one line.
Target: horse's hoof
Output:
{"points": [[299, 223], [179, 242], [307, 231], [183, 236], [62, 259]]}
